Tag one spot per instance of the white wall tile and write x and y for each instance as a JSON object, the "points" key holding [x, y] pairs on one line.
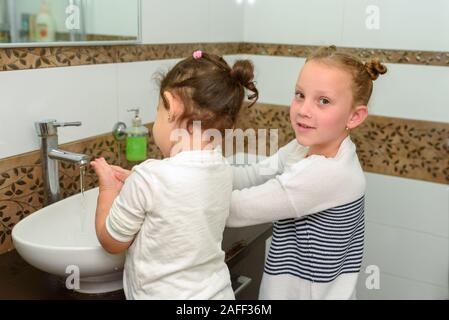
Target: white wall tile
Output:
{"points": [[232, 58], [174, 21], [413, 92], [84, 93], [138, 88], [294, 21], [276, 77], [397, 288], [412, 255], [403, 24], [416, 205], [226, 21]]}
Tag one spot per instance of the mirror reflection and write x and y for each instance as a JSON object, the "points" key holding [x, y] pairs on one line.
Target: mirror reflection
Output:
{"points": [[38, 22]]}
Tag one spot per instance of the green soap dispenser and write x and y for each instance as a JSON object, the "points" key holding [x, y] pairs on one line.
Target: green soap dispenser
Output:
{"points": [[136, 139]]}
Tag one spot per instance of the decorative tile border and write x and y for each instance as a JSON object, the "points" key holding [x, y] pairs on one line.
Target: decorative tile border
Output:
{"points": [[32, 58], [434, 58], [392, 146], [405, 148], [38, 58], [172, 51]]}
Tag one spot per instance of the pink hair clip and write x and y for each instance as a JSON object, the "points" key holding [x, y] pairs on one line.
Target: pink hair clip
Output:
{"points": [[197, 54]]}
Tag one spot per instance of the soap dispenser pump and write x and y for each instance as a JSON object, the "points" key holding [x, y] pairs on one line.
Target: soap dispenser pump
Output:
{"points": [[136, 139]]}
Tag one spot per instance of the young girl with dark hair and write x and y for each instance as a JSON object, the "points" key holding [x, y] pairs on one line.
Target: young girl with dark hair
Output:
{"points": [[170, 214]]}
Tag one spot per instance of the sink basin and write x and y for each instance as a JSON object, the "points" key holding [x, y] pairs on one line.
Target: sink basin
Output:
{"points": [[60, 239]]}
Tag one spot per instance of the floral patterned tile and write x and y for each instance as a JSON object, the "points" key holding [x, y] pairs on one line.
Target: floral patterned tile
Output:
{"points": [[434, 58], [172, 51], [32, 58], [405, 148], [21, 193]]}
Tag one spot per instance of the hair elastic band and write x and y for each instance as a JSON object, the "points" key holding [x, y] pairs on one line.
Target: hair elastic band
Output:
{"points": [[197, 54]]}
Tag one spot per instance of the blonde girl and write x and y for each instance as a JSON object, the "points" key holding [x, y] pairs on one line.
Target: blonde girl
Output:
{"points": [[316, 196]]}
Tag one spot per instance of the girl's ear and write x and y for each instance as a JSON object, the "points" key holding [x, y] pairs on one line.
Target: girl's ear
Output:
{"points": [[357, 116], [175, 106]]}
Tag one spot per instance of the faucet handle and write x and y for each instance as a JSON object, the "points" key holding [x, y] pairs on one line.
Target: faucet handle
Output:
{"points": [[67, 124], [46, 128]]}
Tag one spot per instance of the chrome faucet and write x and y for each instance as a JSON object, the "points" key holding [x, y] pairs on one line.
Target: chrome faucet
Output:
{"points": [[47, 130]]}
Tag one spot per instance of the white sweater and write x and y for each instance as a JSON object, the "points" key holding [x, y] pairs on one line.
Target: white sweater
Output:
{"points": [[317, 204], [176, 209]]}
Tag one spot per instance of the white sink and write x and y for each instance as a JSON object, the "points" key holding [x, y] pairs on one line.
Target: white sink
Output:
{"points": [[60, 239]]}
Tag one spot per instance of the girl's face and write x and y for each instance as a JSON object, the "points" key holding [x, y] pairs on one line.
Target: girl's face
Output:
{"points": [[322, 107]]}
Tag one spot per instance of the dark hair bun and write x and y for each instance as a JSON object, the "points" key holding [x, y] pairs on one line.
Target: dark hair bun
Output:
{"points": [[375, 68], [243, 72]]}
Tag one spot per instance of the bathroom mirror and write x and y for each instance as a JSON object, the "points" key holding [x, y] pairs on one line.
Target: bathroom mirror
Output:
{"points": [[39, 23]]}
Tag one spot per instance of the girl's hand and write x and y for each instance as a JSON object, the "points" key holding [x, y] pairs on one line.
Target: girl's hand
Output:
{"points": [[120, 173], [106, 176]]}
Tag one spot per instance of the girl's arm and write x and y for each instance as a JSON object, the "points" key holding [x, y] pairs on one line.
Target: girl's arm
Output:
{"points": [[109, 188], [313, 185], [104, 204], [256, 174], [121, 207], [129, 209], [261, 204]]}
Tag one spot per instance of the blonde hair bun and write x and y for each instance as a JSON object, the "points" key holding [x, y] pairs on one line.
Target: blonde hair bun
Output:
{"points": [[375, 68]]}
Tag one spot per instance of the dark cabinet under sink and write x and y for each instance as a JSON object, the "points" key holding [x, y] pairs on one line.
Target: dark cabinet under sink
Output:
{"points": [[245, 248]]}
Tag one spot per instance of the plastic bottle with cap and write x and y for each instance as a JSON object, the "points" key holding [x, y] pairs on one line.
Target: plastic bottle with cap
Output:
{"points": [[45, 24], [136, 139]]}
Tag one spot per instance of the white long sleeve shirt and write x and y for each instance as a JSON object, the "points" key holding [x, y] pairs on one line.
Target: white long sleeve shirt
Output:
{"points": [[317, 205], [175, 210]]}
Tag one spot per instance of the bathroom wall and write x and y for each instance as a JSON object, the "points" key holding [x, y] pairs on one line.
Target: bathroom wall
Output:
{"points": [[403, 24], [407, 222], [174, 21], [407, 203]]}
